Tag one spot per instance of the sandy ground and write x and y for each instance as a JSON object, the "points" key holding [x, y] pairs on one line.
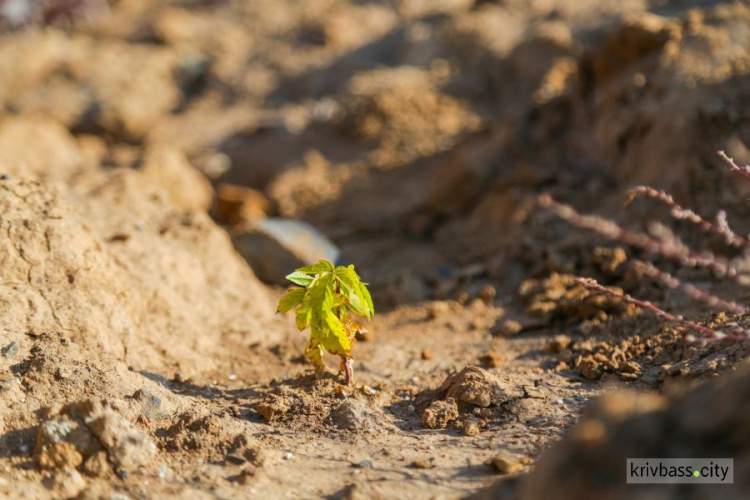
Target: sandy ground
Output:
{"points": [[142, 358]]}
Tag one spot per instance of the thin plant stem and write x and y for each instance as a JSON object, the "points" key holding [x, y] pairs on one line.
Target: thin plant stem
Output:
{"points": [[594, 286], [692, 291], [681, 213]]}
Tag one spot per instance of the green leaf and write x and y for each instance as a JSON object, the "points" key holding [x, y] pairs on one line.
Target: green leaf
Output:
{"points": [[321, 267], [350, 288], [352, 300], [291, 299], [355, 291], [321, 294], [300, 279], [368, 300]]}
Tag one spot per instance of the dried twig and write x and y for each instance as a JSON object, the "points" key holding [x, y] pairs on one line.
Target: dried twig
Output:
{"points": [[743, 171], [692, 291], [665, 244], [594, 286], [681, 213]]}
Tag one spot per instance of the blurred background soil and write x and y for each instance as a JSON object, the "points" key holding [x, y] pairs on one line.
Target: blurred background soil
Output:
{"points": [[144, 145]]}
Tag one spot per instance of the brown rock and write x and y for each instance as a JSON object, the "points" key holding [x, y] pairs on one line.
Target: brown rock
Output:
{"points": [[590, 368], [492, 360], [440, 414], [63, 442], [438, 309], [559, 343], [62, 455], [353, 414], [236, 205], [472, 426], [127, 447], [508, 328], [487, 293], [504, 463], [421, 463], [478, 387]]}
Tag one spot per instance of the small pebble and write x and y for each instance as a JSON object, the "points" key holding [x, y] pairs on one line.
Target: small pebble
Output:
{"points": [[162, 472], [472, 427], [365, 464], [487, 294], [10, 350], [411, 409], [568, 401], [507, 328], [580, 398], [559, 343], [288, 455], [558, 401], [232, 377], [421, 463], [23, 449], [5, 177], [504, 463]]}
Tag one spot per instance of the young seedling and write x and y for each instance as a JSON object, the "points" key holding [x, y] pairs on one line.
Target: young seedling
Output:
{"points": [[325, 302]]}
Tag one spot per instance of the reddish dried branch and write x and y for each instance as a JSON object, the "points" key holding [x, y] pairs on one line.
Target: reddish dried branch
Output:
{"points": [[692, 291], [666, 244], [681, 213], [743, 171], [594, 286]]}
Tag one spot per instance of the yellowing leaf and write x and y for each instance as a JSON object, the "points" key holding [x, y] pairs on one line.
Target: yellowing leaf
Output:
{"points": [[291, 299], [303, 318], [314, 352], [339, 345], [368, 300]]}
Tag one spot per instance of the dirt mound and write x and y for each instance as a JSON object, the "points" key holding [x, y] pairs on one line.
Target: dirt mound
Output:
{"points": [[77, 277], [704, 422], [473, 392], [324, 406], [107, 287]]}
